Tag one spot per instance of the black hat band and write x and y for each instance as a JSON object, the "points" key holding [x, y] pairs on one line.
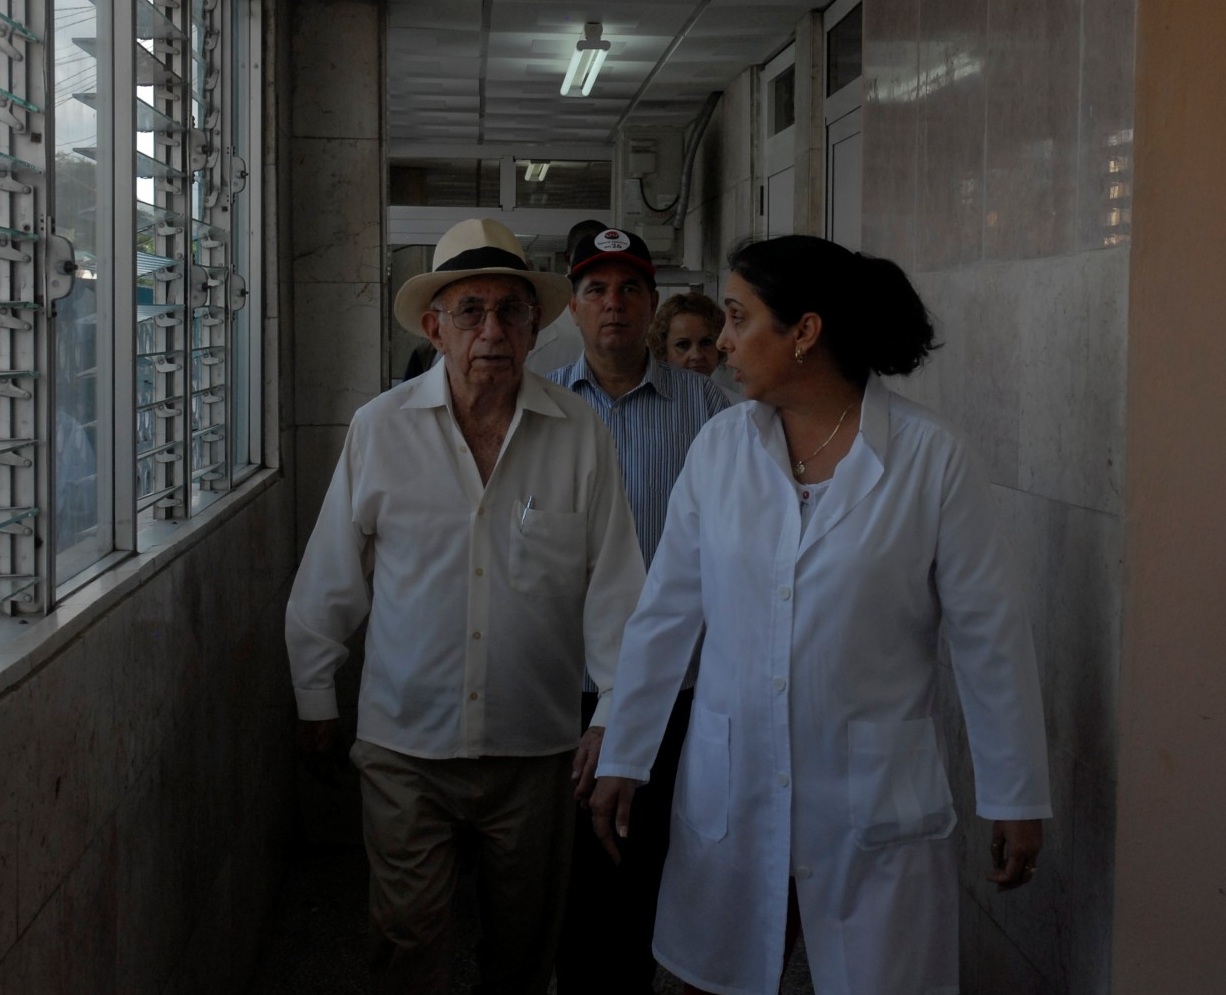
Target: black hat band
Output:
{"points": [[486, 257]]}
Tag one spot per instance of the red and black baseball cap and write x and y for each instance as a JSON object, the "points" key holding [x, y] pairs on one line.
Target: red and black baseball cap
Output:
{"points": [[612, 245]]}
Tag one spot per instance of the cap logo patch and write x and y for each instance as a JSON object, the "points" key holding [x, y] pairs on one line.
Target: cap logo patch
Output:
{"points": [[612, 241]]}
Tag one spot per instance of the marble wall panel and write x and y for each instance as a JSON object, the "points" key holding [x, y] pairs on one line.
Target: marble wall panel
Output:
{"points": [[952, 97], [336, 210], [1073, 312], [974, 378], [1091, 892], [121, 824], [1082, 636], [1026, 520], [344, 100], [70, 768], [154, 878], [891, 130], [319, 447], [88, 907], [38, 962], [12, 731], [990, 962], [1030, 189], [1108, 81], [338, 355]]}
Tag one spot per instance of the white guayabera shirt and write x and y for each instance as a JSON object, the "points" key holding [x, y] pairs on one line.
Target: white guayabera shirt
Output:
{"points": [[484, 602]]}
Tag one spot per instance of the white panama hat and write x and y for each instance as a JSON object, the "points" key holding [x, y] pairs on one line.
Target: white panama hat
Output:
{"points": [[479, 247]]}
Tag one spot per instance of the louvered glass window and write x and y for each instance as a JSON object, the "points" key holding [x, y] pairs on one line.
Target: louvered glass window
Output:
{"points": [[128, 366]]}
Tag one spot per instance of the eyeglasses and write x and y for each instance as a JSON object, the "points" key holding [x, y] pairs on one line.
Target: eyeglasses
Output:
{"points": [[511, 314]]}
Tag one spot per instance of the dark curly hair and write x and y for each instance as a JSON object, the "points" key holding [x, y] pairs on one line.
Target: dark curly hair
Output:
{"points": [[872, 318]]}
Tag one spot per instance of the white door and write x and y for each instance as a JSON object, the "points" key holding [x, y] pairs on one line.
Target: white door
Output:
{"points": [[843, 171], [842, 114], [779, 161]]}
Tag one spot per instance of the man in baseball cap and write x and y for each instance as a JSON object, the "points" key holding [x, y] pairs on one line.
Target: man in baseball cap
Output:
{"points": [[477, 520], [654, 411]]}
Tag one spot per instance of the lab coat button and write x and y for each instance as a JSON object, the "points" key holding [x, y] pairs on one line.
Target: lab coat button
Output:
{"points": [[781, 779], [785, 593], [780, 683], [803, 872], [476, 635]]}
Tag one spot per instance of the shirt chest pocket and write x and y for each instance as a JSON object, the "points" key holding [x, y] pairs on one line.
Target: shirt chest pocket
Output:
{"points": [[548, 549]]}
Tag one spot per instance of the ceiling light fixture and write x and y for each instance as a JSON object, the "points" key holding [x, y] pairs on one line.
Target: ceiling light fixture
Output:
{"points": [[589, 55], [536, 171]]}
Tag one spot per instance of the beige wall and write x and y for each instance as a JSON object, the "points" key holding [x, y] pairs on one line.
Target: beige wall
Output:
{"points": [[1170, 899]]}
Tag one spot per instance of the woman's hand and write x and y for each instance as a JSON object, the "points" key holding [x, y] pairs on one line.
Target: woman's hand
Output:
{"points": [[1015, 848], [610, 806]]}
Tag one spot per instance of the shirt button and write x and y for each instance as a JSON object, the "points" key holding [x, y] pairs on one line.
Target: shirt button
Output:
{"points": [[480, 511], [476, 635], [480, 572], [785, 593], [780, 683], [803, 872], [781, 779], [474, 696], [464, 449]]}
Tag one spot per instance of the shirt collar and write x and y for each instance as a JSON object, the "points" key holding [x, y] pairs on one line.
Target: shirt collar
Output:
{"points": [[874, 417], [657, 375], [431, 390]]}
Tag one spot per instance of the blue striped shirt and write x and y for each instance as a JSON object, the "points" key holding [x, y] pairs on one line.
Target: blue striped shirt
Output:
{"points": [[653, 426]]}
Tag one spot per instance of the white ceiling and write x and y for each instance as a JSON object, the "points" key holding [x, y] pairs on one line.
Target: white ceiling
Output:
{"points": [[469, 72]]}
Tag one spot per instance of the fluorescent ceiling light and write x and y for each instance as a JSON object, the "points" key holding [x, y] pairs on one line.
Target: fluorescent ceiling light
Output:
{"points": [[536, 171], [585, 62]]}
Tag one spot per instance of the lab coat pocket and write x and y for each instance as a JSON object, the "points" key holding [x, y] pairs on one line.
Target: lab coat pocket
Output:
{"points": [[896, 779], [548, 549], [704, 774]]}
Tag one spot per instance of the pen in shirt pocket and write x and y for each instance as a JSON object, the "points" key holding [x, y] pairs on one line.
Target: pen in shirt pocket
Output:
{"points": [[523, 519]]}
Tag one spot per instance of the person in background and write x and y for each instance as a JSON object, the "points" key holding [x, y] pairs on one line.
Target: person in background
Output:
{"points": [[476, 517], [654, 412], [560, 342], [683, 334], [841, 547]]}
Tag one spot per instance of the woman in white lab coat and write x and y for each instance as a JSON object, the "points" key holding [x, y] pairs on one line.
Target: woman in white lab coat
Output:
{"points": [[829, 535]]}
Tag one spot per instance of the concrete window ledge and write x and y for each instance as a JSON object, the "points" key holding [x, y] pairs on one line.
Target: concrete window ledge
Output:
{"points": [[26, 644]]}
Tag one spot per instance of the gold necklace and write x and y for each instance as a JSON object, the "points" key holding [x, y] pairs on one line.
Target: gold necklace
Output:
{"points": [[798, 467]]}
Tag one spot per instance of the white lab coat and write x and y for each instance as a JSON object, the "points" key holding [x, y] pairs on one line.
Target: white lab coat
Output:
{"points": [[813, 750]]}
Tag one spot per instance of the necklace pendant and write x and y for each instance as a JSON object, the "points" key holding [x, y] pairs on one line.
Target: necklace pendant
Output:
{"points": [[798, 469]]}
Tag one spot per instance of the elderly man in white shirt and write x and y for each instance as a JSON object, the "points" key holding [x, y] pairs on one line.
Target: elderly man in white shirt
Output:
{"points": [[478, 517]]}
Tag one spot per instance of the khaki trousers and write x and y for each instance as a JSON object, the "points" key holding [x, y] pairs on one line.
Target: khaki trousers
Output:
{"points": [[513, 816]]}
